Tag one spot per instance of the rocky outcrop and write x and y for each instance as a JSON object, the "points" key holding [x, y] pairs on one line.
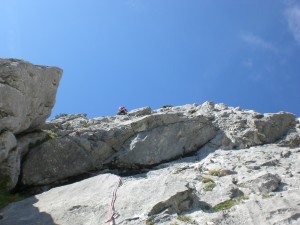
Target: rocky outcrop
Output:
{"points": [[145, 138], [248, 189], [27, 96], [193, 164]]}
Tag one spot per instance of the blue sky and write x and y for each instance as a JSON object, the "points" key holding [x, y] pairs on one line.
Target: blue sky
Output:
{"points": [[151, 53]]}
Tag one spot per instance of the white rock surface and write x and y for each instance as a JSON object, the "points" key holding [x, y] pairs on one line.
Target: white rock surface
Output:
{"points": [[145, 138], [174, 189]]}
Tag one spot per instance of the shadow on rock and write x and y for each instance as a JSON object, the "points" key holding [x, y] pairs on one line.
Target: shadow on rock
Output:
{"points": [[29, 215]]}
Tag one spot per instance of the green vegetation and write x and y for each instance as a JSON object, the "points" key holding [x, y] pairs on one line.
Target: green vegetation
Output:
{"points": [[210, 183], [187, 219], [150, 222], [229, 203], [5, 196], [167, 106], [209, 186], [207, 180], [217, 172], [192, 111], [50, 135]]}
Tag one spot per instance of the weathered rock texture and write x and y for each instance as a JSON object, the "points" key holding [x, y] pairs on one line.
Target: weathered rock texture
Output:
{"points": [[145, 138], [263, 182], [27, 96], [193, 164]]}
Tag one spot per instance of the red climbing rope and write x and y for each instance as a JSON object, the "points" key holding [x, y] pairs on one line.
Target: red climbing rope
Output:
{"points": [[112, 215]]}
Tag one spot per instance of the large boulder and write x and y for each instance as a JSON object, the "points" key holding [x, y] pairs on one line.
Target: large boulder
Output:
{"points": [[27, 96]]}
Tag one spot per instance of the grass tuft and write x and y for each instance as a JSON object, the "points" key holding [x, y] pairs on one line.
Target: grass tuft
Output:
{"points": [[192, 111], [209, 186], [217, 172], [187, 219], [229, 203], [207, 180]]}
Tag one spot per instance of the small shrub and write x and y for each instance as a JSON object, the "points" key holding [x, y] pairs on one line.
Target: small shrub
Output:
{"points": [[192, 111], [51, 134], [229, 203], [187, 219], [207, 180], [209, 186], [217, 172], [167, 106], [150, 222]]}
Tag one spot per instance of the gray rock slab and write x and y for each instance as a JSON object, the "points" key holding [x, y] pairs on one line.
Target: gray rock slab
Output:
{"points": [[173, 189]]}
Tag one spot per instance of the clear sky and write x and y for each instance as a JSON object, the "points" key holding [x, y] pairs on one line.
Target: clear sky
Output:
{"points": [[155, 52]]}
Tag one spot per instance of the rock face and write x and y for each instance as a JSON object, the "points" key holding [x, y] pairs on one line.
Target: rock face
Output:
{"points": [[193, 164], [145, 138], [27, 97], [250, 187]]}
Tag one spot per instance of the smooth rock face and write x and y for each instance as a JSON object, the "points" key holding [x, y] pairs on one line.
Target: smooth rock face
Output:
{"points": [[27, 96], [142, 141], [166, 142], [177, 188], [48, 167]]}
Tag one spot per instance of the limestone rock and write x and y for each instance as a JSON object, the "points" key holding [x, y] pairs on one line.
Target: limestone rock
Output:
{"points": [[27, 94], [175, 188], [127, 144], [148, 137], [263, 182], [166, 142], [68, 157], [140, 112]]}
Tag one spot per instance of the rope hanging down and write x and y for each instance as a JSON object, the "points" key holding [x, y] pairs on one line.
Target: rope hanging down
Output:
{"points": [[112, 215]]}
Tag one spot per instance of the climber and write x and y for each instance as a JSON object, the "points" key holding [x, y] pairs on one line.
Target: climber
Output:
{"points": [[122, 111]]}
